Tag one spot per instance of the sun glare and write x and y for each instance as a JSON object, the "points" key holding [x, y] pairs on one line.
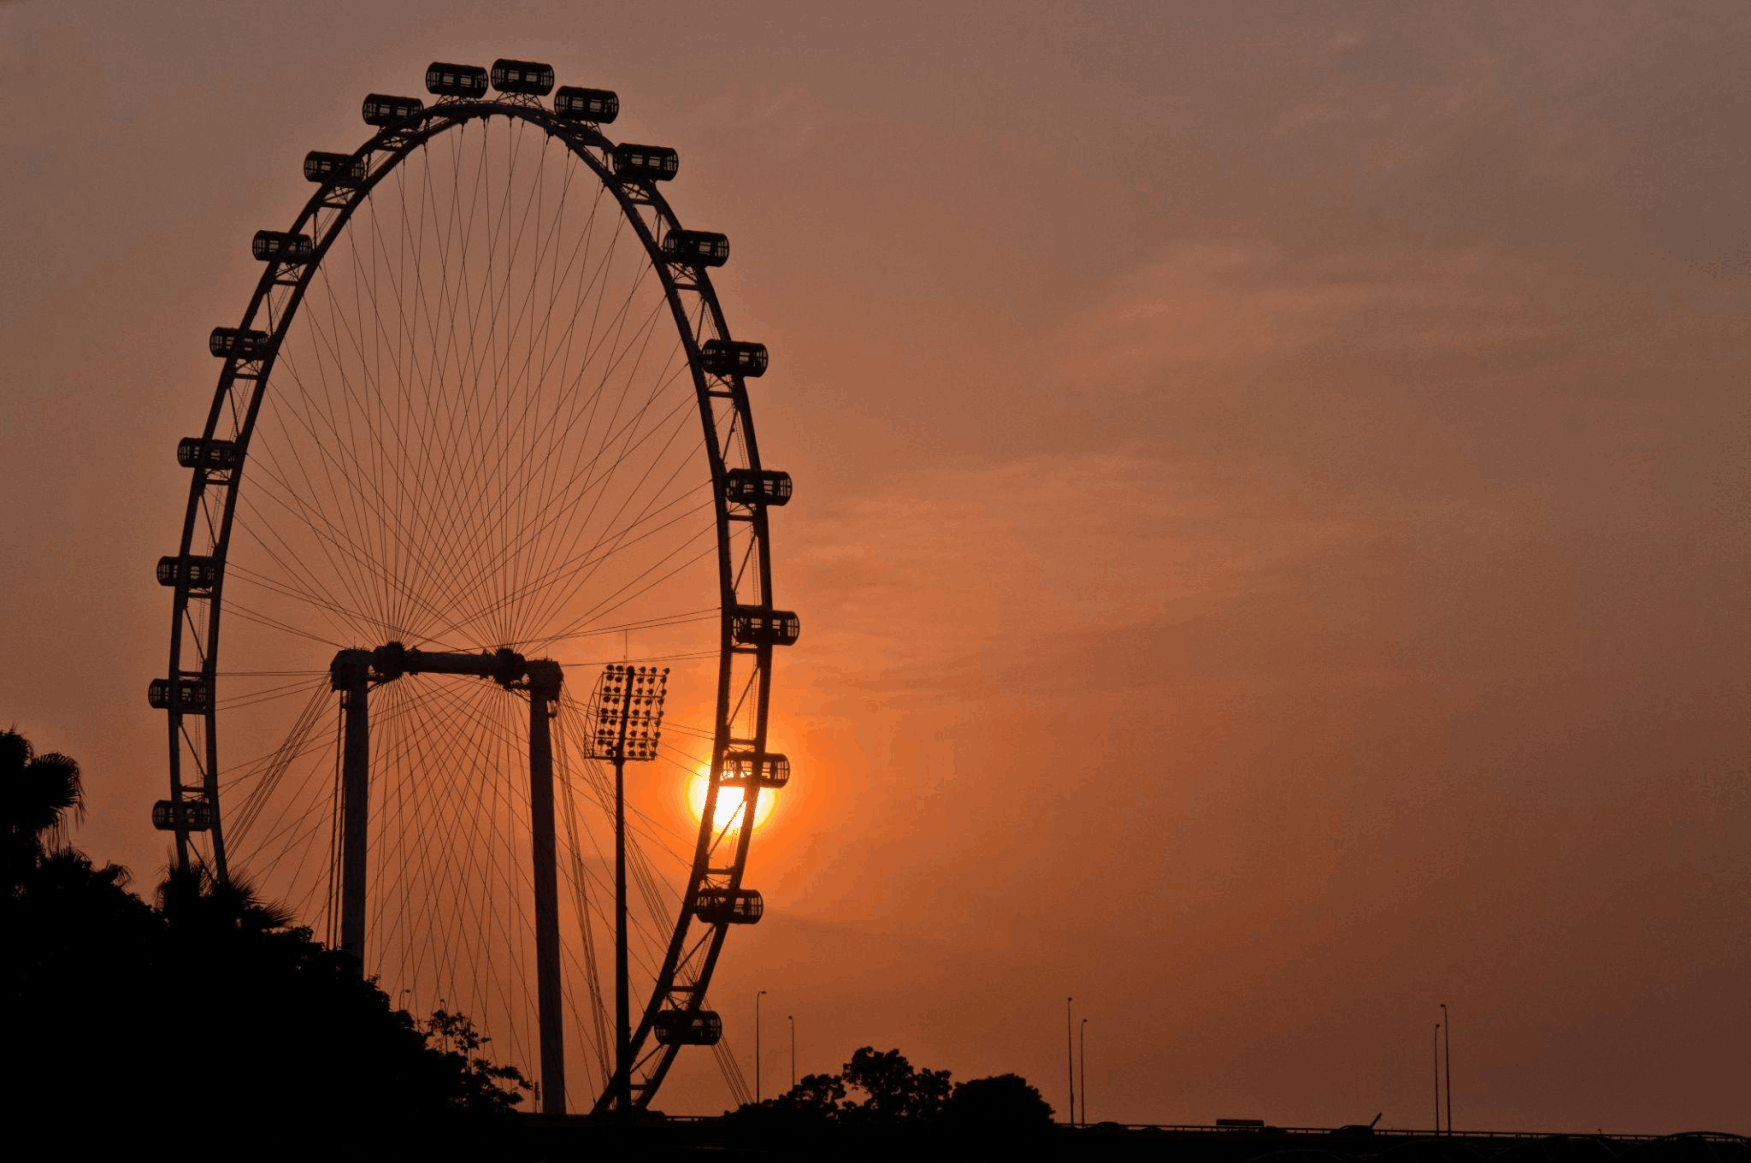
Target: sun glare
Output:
{"points": [[729, 802]]}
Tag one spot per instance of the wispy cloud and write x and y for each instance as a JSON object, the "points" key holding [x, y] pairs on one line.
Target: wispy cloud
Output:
{"points": [[956, 573]]}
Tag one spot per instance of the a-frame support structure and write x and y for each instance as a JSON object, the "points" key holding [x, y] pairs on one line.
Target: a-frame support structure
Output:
{"points": [[353, 673]]}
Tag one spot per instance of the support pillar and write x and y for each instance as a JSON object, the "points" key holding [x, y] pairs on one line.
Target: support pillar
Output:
{"points": [[544, 681], [350, 675]]}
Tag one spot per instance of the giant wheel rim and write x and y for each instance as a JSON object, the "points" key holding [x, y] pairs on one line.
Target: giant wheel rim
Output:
{"points": [[195, 703]]}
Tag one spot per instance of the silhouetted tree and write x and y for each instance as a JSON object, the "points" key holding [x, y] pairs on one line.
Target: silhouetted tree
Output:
{"points": [[892, 1089], [37, 793], [879, 1096], [1003, 1104], [198, 904], [210, 1011], [324, 1044], [472, 1081], [65, 923], [816, 1094]]}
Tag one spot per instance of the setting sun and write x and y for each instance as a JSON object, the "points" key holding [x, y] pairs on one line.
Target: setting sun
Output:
{"points": [[729, 802]]}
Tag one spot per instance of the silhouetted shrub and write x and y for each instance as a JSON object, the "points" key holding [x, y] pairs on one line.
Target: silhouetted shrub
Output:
{"points": [[1002, 1104], [203, 1018], [879, 1099]]}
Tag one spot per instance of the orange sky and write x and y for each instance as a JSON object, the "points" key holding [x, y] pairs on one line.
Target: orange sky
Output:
{"points": [[1272, 522]]}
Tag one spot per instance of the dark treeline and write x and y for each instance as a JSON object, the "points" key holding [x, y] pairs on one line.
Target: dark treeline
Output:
{"points": [[203, 1012], [204, 1015], [880, 1099]]}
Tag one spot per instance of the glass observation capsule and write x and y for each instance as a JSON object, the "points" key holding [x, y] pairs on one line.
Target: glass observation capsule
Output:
{"points": [[755, 769], [697, 248], [600, 106], [723, 357], [751, 626], [195, 452], [225, 342], [681, 1028], [724, 906], [747, 486], [193, 815], [652, 163], [335, 169], [278, 246], [448, 80], [525, 77], [199, 573], [188, 694], [380, 109]]}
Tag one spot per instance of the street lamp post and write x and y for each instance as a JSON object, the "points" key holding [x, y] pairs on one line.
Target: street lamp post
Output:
{"points": [[792, 1022], [1070, 1056], [757, 998], [1082, 1064], [1435, 1058], [1447, 1046]]}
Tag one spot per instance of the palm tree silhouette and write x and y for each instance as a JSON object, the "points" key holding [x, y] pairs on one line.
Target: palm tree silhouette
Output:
{"points": [[37, 795]]}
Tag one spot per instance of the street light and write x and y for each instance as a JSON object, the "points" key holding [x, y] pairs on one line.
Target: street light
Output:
{"points": [[1082, 1064], [1070, 1056], [1435, 1060], [1447, 1044], [792, 1022], [757, 998]]}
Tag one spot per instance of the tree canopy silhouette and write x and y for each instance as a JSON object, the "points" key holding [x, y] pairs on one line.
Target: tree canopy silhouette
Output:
{"points": [[210, 1006], [879, 1094]]}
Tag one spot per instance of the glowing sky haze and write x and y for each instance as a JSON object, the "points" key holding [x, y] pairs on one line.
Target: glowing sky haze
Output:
{"points": [[1273, 507]]}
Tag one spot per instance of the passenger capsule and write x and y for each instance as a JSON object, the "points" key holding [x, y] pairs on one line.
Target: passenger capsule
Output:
{"points": [[335, 169], [723, 357], [696, 248], [755, 769], [187, 816], [278, 246], [522, 77], [225, 342], [746, 486], [688, 1028], [455, 80], [600, 106], [751, 626], [653, 163], [722, 906], [194, 452], [199, 573], [381, 110], [191, 695]]}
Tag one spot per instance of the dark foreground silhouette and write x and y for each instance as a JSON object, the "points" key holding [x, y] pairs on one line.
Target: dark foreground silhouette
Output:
{"points": [[880, 1100], [203, 1014], [205, 1024]]}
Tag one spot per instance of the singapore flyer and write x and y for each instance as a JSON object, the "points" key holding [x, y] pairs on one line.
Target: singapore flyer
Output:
{"points": [[479, 509]]}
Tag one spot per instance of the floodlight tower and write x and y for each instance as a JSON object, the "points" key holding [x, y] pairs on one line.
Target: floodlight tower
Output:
{"points": [[626, 719]]}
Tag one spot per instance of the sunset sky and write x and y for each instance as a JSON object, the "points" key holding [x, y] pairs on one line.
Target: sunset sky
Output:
{"points": [[1273, 515]]}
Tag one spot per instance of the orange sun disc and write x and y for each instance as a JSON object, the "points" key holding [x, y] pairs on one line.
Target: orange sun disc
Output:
{"points": [[729, 802]]}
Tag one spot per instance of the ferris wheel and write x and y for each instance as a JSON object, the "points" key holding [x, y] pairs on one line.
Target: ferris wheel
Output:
{"points": [[479, 506]]}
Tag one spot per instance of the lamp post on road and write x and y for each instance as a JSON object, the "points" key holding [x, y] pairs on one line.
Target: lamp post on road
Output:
{"points": [[1082, 1064], [1435, 1058], [1447, 1048], [757, 998], [792, 1022], [1070, 1055]]}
